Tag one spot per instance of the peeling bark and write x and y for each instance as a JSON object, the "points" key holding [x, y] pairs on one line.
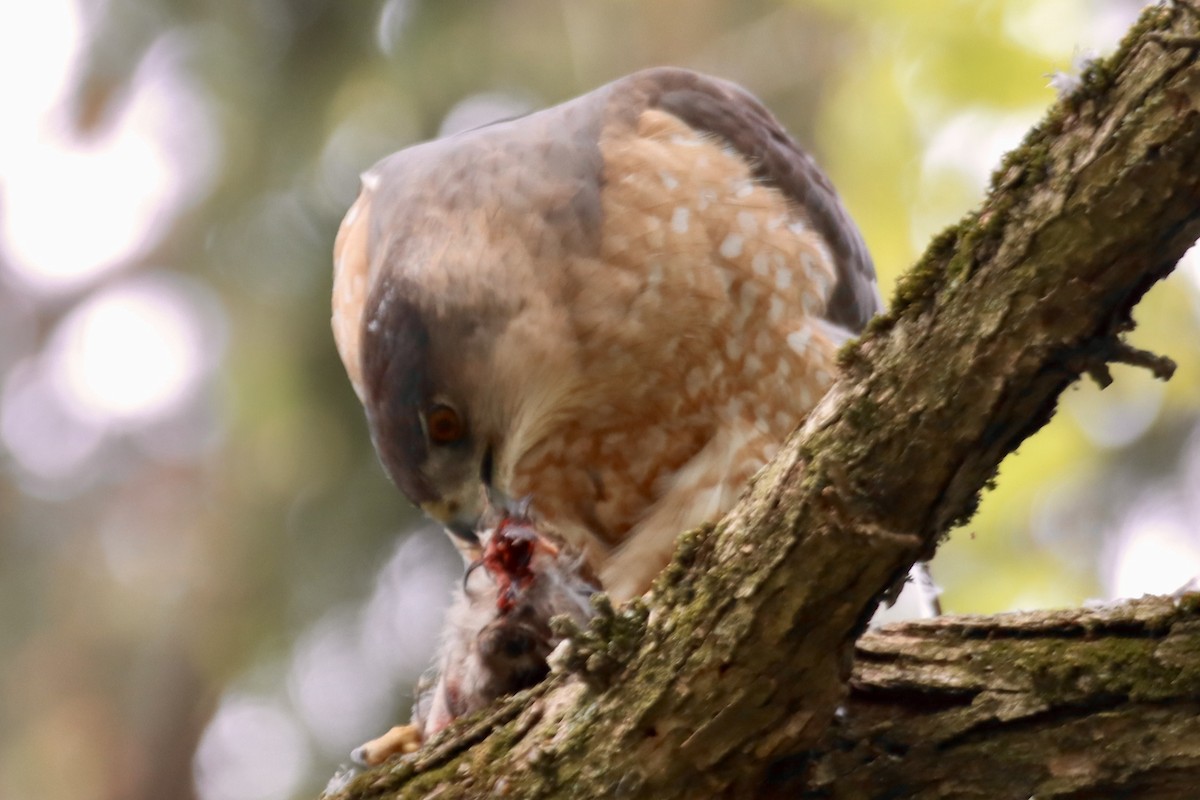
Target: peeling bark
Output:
{"points": [[1081, 703], [743, 652]]}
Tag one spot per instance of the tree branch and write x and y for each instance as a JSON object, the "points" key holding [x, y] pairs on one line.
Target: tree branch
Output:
{"points": [[746, 650], [1081, 703]]}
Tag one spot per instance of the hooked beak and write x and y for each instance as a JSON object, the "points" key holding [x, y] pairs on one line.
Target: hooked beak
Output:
{"points": [[464, 521], [461, 524]]}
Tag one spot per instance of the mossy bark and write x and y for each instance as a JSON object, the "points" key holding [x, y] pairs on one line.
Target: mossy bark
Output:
{"points": [[1086, 703], [743, 653]]}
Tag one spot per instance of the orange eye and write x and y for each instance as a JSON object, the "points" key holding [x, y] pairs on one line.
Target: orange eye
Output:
{"points": [[444, 425]]}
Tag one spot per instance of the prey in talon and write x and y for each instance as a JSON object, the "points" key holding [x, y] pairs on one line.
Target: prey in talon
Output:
{"points": [[497, 635]]}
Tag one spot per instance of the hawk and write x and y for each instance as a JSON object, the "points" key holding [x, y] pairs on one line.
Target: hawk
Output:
{"points": [[618, 308]]}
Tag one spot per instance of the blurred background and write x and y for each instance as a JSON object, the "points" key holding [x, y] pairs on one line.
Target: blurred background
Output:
{"points": [[207, 587]]}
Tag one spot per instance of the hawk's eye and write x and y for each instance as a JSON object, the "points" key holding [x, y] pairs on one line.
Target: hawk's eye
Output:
{"points": [[444, 425]]}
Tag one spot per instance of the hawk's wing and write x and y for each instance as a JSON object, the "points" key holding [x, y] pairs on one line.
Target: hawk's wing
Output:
{"points": [[725, 110]]}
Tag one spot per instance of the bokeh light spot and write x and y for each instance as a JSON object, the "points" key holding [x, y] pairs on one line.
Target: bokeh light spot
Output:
{"points": [[132, 352], [48, 442], [252, 750], [1156, 554], [340, 698], [74, 206]]}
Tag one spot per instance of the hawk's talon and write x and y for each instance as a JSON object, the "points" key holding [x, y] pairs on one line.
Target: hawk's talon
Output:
{"points": [[400, 740]]}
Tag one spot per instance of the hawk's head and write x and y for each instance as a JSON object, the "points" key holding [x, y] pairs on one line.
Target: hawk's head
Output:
{"points": [[437, 445], [448, 336]]}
